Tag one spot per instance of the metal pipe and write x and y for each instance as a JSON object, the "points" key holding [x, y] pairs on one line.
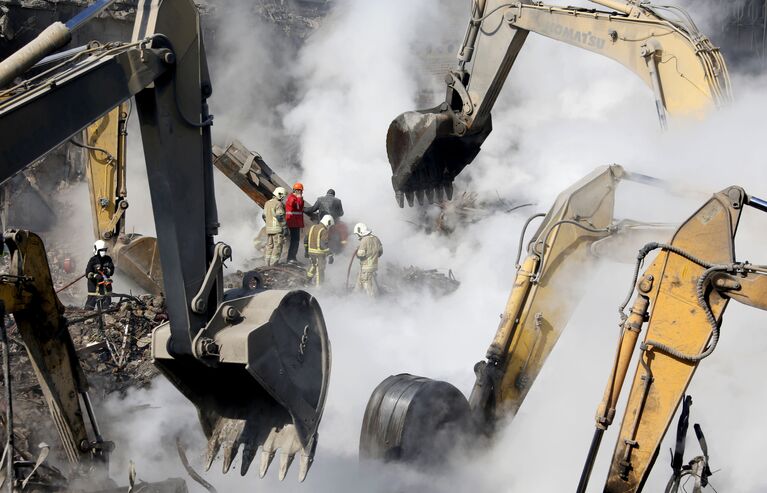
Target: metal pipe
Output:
{"points": [[757, 203], [62, 55], [51, 39], [9, 445], [467, 49], [590, 459], [615, 5]]}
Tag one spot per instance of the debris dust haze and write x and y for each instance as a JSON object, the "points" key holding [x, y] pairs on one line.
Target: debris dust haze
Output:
{"points": [[562, 113]]}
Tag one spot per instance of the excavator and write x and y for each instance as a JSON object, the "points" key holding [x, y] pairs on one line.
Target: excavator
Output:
{"points": [[681, 298], [255, 366], [661, 44], [417, 420], [27, 293], [105, 145], [134, 254]]}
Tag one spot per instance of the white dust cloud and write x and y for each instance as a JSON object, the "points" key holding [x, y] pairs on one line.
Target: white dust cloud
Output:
{"points": [[562, 113]]}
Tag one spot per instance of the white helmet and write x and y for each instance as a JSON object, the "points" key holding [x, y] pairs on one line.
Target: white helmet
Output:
{"points": [[361, 229], [100, 246], [280, 193], [327, 220]]}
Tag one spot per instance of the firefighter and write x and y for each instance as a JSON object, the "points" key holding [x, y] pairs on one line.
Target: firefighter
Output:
{"points": [[368, 252], [276, 227], [316, 248], [294, 207], [99, 274]]}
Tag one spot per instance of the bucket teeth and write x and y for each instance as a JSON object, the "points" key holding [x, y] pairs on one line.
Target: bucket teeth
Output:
{"points": [[213, 447], [410, 198], [230, 452], [267, 455], [248, 454], [449, 191], [400, 198], [419, 194], [440, 193], [430, 195], [285, 460], [304, 464], [266, 460]]}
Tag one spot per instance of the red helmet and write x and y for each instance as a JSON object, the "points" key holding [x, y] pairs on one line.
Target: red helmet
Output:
{"points": [[298, 186]]}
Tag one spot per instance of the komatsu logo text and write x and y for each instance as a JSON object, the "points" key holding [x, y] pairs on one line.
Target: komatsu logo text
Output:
{"points": [[584, 38]]}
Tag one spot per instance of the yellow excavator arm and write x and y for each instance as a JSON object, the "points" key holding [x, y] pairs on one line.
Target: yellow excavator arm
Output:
{"points": [[27, 293], [408, 416], [135, 255], [681, 297], [427, 149]]}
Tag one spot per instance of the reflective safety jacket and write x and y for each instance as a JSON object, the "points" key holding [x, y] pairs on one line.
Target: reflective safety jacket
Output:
{"points": [[274, 216], [317, 240], [294, 206], [368, 252]]}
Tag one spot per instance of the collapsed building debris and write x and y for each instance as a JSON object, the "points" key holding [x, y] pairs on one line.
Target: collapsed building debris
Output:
{"points": [[114, 352]]}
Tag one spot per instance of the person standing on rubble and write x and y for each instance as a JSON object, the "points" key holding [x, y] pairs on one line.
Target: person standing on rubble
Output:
{"points": [[99, 274], [276, 226], [316, 249], [368, 252], [327, 205], [295, 210]]}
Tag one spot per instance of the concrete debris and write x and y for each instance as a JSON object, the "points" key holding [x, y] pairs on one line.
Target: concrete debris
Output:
{"points": [[414, 278], [115, 356], [468, 208]]}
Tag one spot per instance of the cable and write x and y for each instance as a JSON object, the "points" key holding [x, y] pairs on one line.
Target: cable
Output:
{"points": [[522, 236]]}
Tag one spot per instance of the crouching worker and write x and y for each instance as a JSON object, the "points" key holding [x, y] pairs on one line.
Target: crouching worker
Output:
{"points": [[99, 274], [368, 252], [316, 248]]}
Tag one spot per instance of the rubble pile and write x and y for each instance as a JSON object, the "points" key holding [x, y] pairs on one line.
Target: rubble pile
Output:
{"points": [[411, 277], [114, 351], [468, 208]]}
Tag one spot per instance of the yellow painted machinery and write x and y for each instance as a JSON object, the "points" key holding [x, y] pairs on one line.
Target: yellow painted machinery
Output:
{"points": [[416, 419], [681, 298], [27, 293], [662, 45], [105, 146]]}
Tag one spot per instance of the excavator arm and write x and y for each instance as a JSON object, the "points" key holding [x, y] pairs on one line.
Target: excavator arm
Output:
{"points": [[105, 146], [427, 149], [256, 367], [27, 293], [411, 417], [681, 297]]}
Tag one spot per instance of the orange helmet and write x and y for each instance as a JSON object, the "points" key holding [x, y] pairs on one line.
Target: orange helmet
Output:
{"points": [[298, 186]]}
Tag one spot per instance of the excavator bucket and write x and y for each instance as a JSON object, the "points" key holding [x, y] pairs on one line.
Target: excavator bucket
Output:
{"points": [[261, 378], [139, 258], [427, 149]]}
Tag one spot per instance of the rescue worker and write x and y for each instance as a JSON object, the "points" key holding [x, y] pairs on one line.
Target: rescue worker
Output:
{"points": [[368, 252], [99, 274], [276, 226], [316, 248], [327, 205], [295, 211]]}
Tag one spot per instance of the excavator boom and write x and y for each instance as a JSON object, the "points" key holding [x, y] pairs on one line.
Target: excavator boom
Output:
{"points": [[105, 146], [681, 297], [428, 148], [409, 416]]}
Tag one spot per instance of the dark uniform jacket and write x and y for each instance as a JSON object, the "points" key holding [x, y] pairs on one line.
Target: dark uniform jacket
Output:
{"points": [[327, 205], [96, 268]]}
